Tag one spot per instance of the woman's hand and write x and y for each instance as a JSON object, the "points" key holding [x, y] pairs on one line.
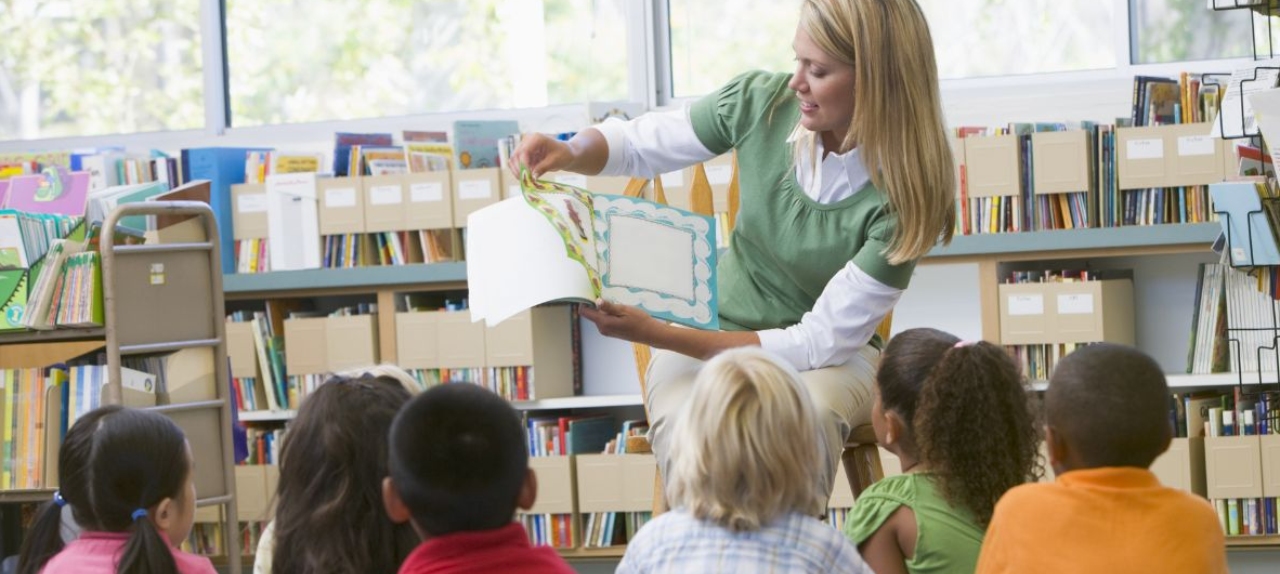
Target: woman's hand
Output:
{"points": [[542, 154], [623, 322]]}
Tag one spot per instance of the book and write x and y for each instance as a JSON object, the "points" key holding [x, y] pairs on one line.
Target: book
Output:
{"points": [[1248, 229], [557, 242], [223, 167], [54, 190], [476, 141], [342, 149]]}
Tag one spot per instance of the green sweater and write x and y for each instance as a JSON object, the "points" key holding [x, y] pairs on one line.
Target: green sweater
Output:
{"points": [[785, 247]]}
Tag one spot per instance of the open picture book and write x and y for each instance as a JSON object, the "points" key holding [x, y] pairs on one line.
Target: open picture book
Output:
{"points": [[557, 242]]}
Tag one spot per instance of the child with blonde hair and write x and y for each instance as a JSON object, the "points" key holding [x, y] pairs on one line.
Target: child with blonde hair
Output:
{"points": [[745, 479]]}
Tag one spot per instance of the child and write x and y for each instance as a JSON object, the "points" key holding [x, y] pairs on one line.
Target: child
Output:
{"points": [[328, 515], [1106, 423], [127, 476], [459, 470], [959, 418], [744, 484]]}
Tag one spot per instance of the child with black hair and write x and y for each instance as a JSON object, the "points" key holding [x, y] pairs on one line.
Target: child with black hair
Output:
{"points": [[959, 417], [127, 476], [459, 469], [1106, 512]]}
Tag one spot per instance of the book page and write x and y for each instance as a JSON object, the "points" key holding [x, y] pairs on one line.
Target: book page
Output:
{"points": [[570, 212], [515, 260], [658, 258]]}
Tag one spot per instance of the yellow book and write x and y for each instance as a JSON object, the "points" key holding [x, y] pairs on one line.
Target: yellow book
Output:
{"points": [[36, 430], [295, 163], [6, 432]]}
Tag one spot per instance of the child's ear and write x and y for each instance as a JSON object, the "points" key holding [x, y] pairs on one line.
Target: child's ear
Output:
{"points": [[164, 514], [528, 490], [396, 510], [895, 429]]}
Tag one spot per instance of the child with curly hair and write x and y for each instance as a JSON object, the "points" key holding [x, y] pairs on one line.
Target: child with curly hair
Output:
{"points": [[959, 417]]}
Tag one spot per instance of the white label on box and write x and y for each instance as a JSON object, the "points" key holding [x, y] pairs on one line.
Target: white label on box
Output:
{"points": [[1197, 145], [252, 203], [1075, 304], [673, 179], [574, 179], [340, 197], [475, 189], [386, 195], [1026, 304], [1145, 149], [719, 174], [426, 192]]}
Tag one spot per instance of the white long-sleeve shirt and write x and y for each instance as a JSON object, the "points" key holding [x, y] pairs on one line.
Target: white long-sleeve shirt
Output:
{"points": [[852, 304]]}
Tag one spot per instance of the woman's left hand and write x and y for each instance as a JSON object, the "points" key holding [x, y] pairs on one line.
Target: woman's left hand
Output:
{"points": [[623, 322]]}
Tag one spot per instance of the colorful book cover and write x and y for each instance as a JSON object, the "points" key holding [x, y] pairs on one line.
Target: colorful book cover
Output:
{"points": [[54, 190], [583, 247], [342, 148], [476, 141]]}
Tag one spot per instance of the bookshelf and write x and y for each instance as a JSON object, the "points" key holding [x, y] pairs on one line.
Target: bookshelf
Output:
{"points": [[172, 297]]}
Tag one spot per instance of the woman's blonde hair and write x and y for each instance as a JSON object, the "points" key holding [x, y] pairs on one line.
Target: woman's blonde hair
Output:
{"points": [[897, 113], [746, 448]]}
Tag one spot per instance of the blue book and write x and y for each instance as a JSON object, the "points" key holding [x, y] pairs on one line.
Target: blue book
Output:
{"points": [[1250, 236], [223, 167]]}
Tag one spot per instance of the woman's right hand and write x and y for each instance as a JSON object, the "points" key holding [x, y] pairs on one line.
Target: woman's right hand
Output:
{"points": [[542, 154]]}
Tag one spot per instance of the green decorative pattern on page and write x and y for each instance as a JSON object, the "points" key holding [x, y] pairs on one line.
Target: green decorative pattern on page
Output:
{"points": [[571, 212]]}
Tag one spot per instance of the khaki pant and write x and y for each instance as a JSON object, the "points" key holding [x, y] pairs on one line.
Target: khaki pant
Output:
{"points": [[842, 396]]}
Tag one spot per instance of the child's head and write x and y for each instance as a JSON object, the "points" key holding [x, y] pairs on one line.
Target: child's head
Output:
{"points": [[328, 513], [961, 410], [121, 470], [746, 447], [1107, 406], [459, 462]]}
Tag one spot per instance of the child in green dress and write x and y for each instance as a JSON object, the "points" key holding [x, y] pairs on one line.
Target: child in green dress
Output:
{"points": [[958, 415]]}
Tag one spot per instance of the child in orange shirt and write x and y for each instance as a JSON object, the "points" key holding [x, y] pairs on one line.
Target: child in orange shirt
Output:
{"points": [[1106, 423]]}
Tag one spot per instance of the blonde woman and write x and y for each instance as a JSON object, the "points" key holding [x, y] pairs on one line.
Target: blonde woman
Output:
{"points": [[846, 180], [744, 455]]}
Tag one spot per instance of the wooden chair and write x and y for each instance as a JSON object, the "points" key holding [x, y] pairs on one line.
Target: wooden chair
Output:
{"points": [[861, 456]]}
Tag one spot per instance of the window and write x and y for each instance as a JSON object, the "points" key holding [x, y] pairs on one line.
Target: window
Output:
{"points": [[978, 38], [76, 68], [712, 41], [1180, 30], [314, 60]]}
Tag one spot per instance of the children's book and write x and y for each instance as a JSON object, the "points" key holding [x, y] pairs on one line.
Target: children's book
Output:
{"points": [[342, 148], [476, 141], [54, 190], [560, 242]]}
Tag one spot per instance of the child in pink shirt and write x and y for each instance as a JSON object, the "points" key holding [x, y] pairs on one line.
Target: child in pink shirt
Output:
{"points": [[127, 476]]}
